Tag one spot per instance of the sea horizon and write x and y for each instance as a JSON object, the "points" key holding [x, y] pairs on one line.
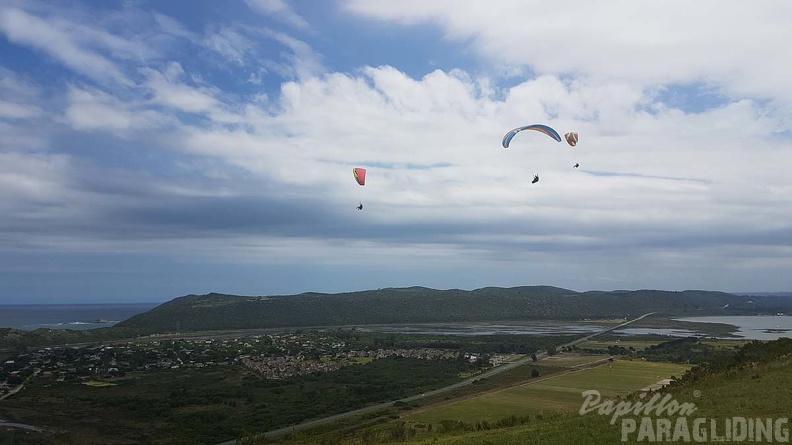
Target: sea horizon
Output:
{"points": [[79, 316]]}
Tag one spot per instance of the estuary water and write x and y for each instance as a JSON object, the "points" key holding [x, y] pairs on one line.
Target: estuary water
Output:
{"points": [[752, 327]]}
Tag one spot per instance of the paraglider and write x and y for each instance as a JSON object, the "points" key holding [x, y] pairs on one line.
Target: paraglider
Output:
{"points": [[571, 138], [360, 178], [536, 127]]}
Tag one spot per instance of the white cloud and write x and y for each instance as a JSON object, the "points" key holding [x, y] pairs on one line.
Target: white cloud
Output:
{"points": [[90, 110], [303, 62], [169, 91], [32, 186], [280, 10], [230, 44], [11, 110], [735, 46], [634, 163], [22, 105], [18, 138], [58, 43], [173, 27], [250, 49]]}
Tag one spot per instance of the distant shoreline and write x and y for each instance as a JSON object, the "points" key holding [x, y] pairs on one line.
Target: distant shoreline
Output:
{"points": [[81, 316]]}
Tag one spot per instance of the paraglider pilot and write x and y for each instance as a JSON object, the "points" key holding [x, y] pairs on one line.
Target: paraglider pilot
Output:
{"points": [[535, 179], [360, 207], [576, 165]]}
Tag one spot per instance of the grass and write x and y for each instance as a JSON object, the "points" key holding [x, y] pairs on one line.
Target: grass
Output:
{"points": [[603, 345], [605, 320], [570, 360], [760, 393], [725, 343], [99, 384], [553, 394], [548, 404]]}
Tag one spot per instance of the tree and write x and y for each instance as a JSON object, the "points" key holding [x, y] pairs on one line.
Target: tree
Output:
{"points": [[534, 373], [551, 350], [533, 357]]}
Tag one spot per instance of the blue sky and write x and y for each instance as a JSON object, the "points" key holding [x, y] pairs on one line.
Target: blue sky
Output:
{"points": [[155, 149]]}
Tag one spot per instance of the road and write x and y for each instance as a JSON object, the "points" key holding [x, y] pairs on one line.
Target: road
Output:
{"points": [[22, 426], [490, 373], [12, 391]]}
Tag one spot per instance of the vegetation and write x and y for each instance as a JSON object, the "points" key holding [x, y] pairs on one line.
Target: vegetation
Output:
{"points": [[750, 382], [682, 350], [214, 404], [490, 344], [14, 340], [558, 393], [423, 305], [220, 312]]}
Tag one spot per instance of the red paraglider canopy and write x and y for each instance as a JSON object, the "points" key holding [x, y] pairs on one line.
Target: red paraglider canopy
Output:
{"points": [[360, 175]]}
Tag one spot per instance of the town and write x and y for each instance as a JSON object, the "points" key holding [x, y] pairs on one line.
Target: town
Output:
{"points": [[272, 356]]}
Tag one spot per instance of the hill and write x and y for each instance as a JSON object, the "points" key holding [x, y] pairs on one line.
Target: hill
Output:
{"points": [[420, 305]]}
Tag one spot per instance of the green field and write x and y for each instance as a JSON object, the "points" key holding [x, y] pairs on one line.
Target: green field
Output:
{"points": [[603, 345], [720, 343], [553, 394], [571, 360], [753, 387]]}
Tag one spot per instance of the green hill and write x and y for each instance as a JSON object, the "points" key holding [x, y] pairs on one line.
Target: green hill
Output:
{"points": [[418, 305]]}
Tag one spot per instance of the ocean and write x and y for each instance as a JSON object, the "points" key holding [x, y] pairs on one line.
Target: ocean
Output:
{"points": [[68, 316]]}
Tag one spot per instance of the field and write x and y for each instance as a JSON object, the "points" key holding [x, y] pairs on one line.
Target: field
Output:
{"points": [[725, 343], [552, 394], [755, 393], [638, 344], [572, 360], [98, 384]]}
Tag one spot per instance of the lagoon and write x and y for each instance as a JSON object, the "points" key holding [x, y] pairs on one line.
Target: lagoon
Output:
{"points": [[752, 327]]}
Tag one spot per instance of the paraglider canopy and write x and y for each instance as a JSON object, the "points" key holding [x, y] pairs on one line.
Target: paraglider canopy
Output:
{"points": [[535, 179], [536, 127], [360, 175], [571, 138]]}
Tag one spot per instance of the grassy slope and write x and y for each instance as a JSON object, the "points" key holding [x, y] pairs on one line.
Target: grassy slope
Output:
{"points": [[560, 393], [757, 389]]}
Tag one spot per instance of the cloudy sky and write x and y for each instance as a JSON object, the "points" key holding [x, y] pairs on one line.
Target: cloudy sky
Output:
{"points": [[153, 149]]}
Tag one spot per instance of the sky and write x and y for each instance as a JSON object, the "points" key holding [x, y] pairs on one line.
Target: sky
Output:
{"points": [[155, 149]]}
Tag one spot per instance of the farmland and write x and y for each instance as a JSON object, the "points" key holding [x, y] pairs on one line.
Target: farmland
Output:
{"points": [[553, 394]]}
